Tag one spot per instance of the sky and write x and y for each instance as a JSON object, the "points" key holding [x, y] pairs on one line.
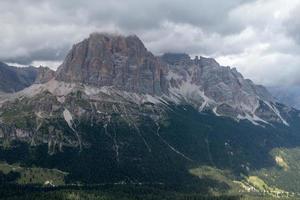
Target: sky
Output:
{"points": [[261, 38]]}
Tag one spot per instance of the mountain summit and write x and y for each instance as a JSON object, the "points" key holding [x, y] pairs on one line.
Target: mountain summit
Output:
{"points": [[112, 60]]}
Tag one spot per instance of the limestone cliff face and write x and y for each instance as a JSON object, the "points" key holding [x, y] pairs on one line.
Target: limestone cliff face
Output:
{"points": [[110, 60]]}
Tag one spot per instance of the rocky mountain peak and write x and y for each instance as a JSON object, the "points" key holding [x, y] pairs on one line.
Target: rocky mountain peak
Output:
{"points": [[125, 45], [113, 60]]}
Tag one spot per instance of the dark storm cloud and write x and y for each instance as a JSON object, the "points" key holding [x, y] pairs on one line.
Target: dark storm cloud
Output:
{"points": [[257, 36], [47, 54]]}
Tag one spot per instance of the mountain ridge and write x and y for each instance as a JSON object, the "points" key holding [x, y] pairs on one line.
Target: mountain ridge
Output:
{"points": [[14, 79], [125, 63]]}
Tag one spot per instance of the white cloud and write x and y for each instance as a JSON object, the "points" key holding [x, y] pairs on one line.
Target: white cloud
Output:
{"points": [[268, 55], [259, 37]]}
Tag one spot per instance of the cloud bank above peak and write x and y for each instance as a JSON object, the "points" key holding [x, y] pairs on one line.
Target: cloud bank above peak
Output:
{"points": [[259, 37]]}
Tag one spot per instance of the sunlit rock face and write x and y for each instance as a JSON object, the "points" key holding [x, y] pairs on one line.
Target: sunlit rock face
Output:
{"points": [[111, 60]]}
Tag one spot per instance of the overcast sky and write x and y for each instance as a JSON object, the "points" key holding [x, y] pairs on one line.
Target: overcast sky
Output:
{"points": [[259, 37]]}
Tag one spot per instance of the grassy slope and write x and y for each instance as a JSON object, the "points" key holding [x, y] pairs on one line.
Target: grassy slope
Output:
{"points": [[34, 175], [286, 173]]}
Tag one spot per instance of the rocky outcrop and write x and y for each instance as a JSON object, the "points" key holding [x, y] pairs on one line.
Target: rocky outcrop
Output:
{"points": [[44, 74], [111, 60], [207, 85]]}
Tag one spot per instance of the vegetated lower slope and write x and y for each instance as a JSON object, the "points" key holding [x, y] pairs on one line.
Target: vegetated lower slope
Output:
{"points": [[183, 140]]}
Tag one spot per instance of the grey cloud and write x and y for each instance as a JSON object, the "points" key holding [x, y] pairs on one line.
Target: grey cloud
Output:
{"points": [[293, 24], [27, 25], [245, 32], [135, 14], [211, 15], [46, 54]]}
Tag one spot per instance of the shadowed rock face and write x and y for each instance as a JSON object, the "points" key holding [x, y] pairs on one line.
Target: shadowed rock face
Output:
{"points": [[14, 79], [176, 58], [109, 60]]}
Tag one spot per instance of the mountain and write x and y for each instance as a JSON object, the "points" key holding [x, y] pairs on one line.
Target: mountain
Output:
{"points": [[207, 85], [108, 60], [14, 79], [125, 64], [290, 95], [115, 113]]}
